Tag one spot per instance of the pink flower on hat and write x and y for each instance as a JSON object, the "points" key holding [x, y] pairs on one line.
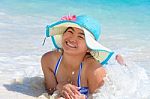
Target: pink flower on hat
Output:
{"points": [[69, 18]]}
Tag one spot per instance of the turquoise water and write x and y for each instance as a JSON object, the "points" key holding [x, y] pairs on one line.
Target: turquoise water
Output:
{"points": [[116, 16], [125, 23]]}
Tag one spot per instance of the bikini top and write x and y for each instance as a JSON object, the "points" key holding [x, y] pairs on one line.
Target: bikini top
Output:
{"points": [[82, 90]]}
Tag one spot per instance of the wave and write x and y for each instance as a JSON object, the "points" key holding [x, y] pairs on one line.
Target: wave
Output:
{"points": [[124, 82]]}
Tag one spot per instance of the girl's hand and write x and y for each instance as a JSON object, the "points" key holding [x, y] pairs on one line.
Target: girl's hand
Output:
{"points": [[80, 96], [76, 97], [120, 60], [70, 91]]}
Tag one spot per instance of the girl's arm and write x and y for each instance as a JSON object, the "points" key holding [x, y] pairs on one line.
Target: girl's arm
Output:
{"points": [[96, 73], [50, 81]]}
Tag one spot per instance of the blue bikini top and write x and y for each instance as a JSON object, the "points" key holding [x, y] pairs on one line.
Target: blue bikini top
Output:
{"points": [[82, 90]]}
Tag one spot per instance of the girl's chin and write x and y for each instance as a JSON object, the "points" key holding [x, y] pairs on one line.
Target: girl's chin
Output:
{"points": [[73, 52], [69, 51]]}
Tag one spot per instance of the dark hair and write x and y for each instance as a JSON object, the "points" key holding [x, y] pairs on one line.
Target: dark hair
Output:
{"points": [[88, 55], [67, 29]]}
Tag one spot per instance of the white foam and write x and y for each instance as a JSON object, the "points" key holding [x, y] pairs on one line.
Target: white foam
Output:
{"points": [[122, 82]]}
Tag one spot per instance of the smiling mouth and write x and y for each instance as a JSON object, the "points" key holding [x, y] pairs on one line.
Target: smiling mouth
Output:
{"points": [[70, 45]]}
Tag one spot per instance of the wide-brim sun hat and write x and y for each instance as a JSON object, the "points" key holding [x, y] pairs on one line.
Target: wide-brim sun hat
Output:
{"points": [[91, 30]]}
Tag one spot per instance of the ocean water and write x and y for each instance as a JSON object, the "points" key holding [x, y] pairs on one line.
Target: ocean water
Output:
{"points": [[124, 23]]}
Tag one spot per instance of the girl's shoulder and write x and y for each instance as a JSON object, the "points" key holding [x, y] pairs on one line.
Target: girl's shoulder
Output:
{"points": [[93, 66], [92, 63], [52, 54], [94, 73], [50, 58]]}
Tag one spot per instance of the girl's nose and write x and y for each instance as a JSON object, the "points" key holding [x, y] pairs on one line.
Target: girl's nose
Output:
{"points": [[73, 39]]}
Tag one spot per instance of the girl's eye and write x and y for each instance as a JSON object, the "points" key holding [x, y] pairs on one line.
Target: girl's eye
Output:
{"points": [[81, 37]]}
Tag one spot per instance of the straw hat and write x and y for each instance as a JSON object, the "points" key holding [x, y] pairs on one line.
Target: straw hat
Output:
{"points": [[91, 30]]}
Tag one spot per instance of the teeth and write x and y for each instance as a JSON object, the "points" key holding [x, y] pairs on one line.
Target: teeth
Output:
{"points": [[71, 45]]}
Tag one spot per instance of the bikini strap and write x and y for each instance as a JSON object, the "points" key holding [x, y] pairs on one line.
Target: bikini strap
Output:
{"points": [[57, 65], [79, 73], [79, 76]]}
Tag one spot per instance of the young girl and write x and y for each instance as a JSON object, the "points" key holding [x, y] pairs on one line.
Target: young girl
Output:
{"points": [[75, 69]]}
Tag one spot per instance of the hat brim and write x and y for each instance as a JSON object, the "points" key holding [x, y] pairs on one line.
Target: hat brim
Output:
{"points": [[98, 51], [60, 27]]}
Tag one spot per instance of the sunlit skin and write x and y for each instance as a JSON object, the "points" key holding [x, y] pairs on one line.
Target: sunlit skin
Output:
{"points": [[74, 52]]}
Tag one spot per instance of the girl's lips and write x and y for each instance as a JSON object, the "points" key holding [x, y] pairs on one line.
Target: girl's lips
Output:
{"points": [[70, 45]]}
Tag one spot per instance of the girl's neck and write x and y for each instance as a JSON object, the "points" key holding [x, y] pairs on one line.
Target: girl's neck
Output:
{"points": [[72, 61]]}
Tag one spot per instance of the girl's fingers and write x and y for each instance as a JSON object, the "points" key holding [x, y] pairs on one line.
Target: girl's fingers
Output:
{"points": [[68, 90], [71, 90], [75, 89], [66, 95], [80, 97]]}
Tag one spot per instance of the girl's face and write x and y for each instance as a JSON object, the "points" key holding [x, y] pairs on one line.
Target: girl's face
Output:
{"points": [[73, 41]]}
